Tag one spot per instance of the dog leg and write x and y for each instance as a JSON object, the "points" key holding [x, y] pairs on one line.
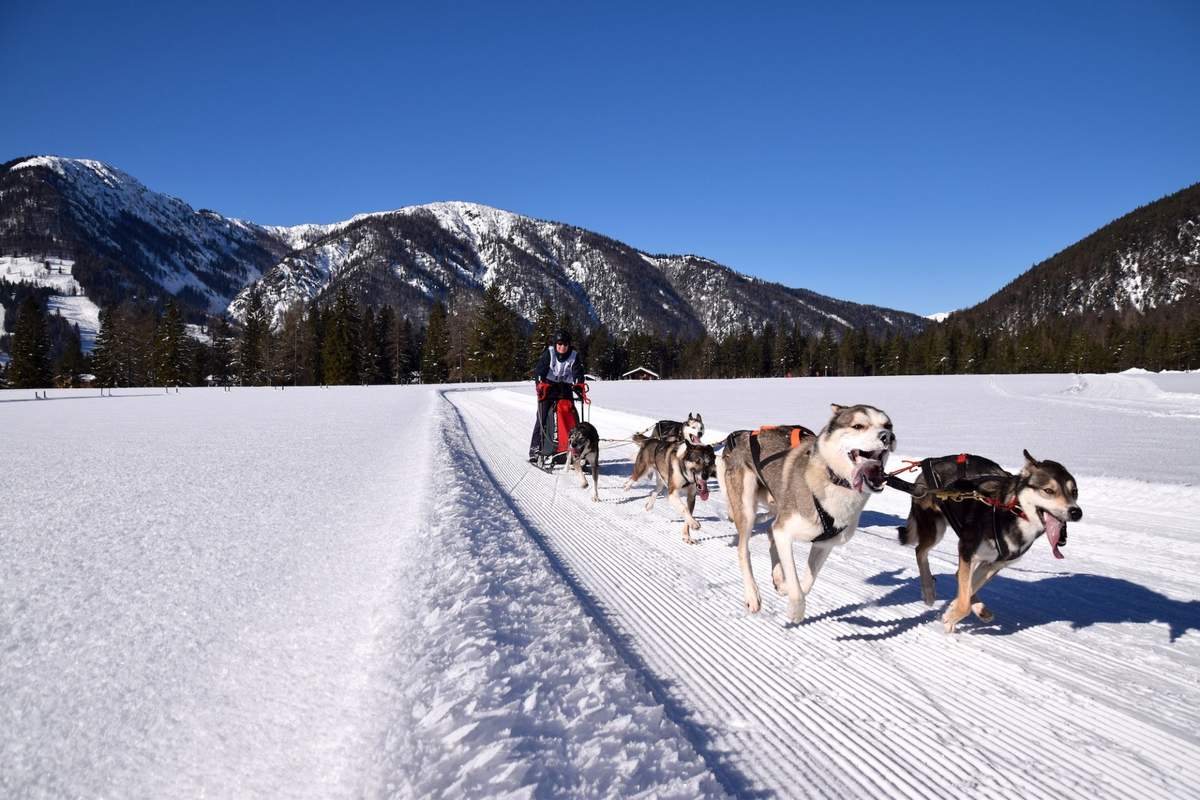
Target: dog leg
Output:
{"points": [[787, 558], [741, 511], [578, 464], [981, 577], [689, 522], [776, 567], [817, 554], [658, 485], [634, 476], [960, 607], [595, 477]]}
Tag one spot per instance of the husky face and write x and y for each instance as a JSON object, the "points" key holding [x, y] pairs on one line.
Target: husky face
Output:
{"points": [[699, 463], [693, 429], [1049, 496], [856, 444]]}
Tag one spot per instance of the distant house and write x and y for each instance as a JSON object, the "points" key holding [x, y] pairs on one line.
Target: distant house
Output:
{"points": [[640, 374], [590, 378]]}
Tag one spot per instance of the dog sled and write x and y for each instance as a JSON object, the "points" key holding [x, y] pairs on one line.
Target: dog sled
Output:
{"points": [[565, 414]]}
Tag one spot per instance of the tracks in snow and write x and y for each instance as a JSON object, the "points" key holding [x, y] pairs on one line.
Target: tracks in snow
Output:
{"points": [[868, 696]]}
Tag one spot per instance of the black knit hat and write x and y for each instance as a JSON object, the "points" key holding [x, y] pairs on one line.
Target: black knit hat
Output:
{"points": [[562, 337]]}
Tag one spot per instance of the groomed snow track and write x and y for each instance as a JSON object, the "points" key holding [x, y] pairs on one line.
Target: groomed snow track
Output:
{"points": [[1086, 684]]}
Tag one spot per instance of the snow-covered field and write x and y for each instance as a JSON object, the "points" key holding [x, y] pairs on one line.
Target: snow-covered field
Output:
{"points": [[366, 591]]}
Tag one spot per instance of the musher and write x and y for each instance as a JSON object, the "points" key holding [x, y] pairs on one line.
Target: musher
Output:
{"points": [[559, 374]]}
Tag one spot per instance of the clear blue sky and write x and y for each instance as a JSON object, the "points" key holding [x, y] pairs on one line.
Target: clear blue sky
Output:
{"points": [[916, 156]]}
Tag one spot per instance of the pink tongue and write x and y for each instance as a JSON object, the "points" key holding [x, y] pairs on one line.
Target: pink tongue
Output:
{"points": [[704, 492], [1054, 528]]}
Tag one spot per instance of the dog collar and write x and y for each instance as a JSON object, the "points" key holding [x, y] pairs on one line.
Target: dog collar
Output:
{"points": [[837, 480]]}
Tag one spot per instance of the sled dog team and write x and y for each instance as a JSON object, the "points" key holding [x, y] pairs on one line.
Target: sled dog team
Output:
{"points": [[814, 486]]}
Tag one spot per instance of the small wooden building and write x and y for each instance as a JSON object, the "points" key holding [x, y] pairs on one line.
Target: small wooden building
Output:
{"points": [[640, 374]]}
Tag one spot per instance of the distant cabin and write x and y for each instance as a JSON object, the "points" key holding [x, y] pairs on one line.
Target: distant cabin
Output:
{"points": [[590, 378], [640, 374]]}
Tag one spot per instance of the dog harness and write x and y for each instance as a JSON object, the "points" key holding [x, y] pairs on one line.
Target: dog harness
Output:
{"points": [[950, 508], [795, 434]]}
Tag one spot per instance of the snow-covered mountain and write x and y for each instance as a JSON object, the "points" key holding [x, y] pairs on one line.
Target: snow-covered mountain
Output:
{"points": [[124, 239], [413, 256], [1147, 260]]}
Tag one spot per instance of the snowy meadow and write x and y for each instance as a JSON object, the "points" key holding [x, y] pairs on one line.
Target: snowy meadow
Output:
{"points": [[367, 591]]}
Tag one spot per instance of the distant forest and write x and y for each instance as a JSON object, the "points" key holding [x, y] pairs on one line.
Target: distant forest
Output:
{"points": [[340, 342]]}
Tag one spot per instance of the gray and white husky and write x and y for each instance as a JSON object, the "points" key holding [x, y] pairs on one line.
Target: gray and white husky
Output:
{"points": [[669, 430], [677, 465], [814, 487]]}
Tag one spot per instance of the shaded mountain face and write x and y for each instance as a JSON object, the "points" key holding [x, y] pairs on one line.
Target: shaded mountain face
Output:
{"points": [[119, 239], [1148, 259], [126, 240]]}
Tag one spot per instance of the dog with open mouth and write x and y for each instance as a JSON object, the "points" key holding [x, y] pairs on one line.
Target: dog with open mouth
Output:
{"points": [[1042, 498], [671, 431], [813, 485], [678, 466]]}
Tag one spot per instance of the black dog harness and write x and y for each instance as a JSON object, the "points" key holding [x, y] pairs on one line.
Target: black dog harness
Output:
{"points": [[951, 508], [795, 434]]}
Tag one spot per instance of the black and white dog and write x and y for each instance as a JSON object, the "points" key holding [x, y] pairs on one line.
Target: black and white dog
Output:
{"points": [[668, 430], [584, 444], [1042, 498]]}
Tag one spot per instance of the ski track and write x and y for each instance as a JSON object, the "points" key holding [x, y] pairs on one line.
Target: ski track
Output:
{"points": [[868, 696]]}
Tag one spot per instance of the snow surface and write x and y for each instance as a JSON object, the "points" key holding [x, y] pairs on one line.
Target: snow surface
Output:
{"points": [[938, 316], [366, 591]]}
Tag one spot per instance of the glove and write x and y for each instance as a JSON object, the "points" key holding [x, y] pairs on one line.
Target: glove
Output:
{"points": [[582, 390], [543, 390]]}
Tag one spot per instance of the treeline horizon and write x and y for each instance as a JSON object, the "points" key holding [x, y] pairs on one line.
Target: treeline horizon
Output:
{"points": [[343, 343]]}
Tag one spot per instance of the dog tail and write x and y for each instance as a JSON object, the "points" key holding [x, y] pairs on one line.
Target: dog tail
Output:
{"points": [[640, 439]]}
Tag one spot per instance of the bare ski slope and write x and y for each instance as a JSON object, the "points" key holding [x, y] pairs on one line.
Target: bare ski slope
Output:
{"points": [[1086, 684]]}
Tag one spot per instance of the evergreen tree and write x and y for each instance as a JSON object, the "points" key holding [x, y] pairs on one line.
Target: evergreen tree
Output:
{"points": [[170, 348], [105, 363], [342, 351], [385, 336], [253, 348], [493, 352], [543, 331], [434, 367], [30, 367], [224, 345], [71, 363], [405, 360]]}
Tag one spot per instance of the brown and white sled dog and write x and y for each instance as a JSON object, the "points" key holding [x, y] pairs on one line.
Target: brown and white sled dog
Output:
{"points": [[1046, 496], [676, 465], [813, 486]]}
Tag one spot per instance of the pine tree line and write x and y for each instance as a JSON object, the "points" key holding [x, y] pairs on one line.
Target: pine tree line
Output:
{"points": [[465, 340]]}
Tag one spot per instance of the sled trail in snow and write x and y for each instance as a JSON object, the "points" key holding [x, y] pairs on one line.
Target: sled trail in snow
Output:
{"points": [[1085, 684]]}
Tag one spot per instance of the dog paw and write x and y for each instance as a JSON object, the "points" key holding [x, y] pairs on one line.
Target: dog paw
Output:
{"points": [[753, 603], [583, 485], [778, 581], [981, 611], [795, 610], [648, 506], [687, 535], [694, 524], [929, 596], [595, 498]]}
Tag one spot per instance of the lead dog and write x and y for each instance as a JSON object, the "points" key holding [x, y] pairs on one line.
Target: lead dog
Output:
{"points": [[584, 444], [671, 431], [814, 487], [676, 465], [1040, 499]]}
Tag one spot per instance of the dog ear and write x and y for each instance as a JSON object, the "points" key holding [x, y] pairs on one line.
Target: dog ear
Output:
{"points": [[1031, 463], [836, 409]]}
